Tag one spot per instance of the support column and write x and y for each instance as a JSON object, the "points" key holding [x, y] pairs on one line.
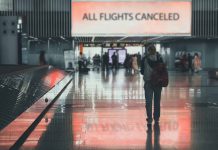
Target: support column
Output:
{"points": [[8, 40]]}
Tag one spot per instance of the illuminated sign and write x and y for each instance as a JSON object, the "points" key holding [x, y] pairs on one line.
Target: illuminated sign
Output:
{"points": [[131, 18]]}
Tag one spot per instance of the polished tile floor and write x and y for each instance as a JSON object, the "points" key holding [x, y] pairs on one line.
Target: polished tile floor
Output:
{"points": [[102, 111]]}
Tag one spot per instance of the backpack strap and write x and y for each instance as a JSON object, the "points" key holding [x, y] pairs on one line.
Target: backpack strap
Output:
{"points": [[152, 64]]}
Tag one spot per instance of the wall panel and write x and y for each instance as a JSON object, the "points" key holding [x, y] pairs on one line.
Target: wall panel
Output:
{"points": [[44, 18]]}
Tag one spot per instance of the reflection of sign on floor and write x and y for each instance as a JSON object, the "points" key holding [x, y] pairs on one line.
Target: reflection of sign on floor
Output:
{"points": [[69, 59]]}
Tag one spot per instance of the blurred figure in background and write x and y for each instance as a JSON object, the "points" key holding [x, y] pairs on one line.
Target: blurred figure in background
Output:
{"points": [[128, 63], [105, 61], [82, 61], [42, 60], [184, 62], [114, 60], [135, 66], [190, 62], [139, 58], [197, 63], [96, 62]]}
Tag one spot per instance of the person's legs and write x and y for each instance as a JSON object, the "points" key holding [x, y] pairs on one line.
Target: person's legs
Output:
{"points": [[106, 64], [148, 100], [116, 65], [157, 98], [103, 66], [80, 65], [113, 65]]}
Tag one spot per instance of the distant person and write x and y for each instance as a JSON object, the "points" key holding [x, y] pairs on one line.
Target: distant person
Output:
{"points": [[96, 61], [197, 63], [42, 60], [114, 60], [81, 61], [99, 60], [105, 61], [135, 64], [152, 85], [89, 60], [184, 61], [190, 62], [128, 63], [139, 57]]}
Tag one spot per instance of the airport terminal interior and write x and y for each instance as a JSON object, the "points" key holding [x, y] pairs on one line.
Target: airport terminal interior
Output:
{"points": [[75, 74]]}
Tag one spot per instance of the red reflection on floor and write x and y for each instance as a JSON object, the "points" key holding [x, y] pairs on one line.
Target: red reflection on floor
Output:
{"points": [[113, 117], [115, 128], [33, 139], [10, 134], [53, 78]]}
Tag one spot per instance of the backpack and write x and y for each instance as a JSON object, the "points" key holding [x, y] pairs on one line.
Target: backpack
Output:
{"points": [[159, 75]]}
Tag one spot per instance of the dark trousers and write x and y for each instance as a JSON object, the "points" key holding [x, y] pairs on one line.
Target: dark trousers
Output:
{"points": [[151, 92], [80, 63], [114, 65], [105, 66], [190, 68]]}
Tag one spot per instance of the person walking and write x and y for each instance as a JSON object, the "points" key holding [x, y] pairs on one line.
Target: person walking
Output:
{"points": [[105, 61], [149, 62], [114, 60], [139, 57], [190, 64]]}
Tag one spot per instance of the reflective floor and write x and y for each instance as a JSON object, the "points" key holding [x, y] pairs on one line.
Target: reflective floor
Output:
{"points": [[107, 111]]}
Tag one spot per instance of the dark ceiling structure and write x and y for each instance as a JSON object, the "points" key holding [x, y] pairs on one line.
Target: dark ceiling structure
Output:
{"points": [[127, 39]]}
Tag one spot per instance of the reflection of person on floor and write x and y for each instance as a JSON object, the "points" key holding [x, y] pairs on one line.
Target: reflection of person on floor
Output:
{"points": [[148, 63], [105, 76], [197, 63], [80, 82], [156, 138]]}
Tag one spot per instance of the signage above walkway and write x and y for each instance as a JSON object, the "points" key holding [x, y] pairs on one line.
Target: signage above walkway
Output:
{"points": [[131, 18]]}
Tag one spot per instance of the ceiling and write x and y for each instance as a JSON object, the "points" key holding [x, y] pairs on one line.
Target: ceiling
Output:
{"points": [[127, 39], [112, 40]]}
